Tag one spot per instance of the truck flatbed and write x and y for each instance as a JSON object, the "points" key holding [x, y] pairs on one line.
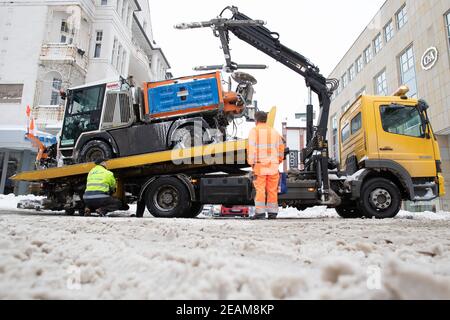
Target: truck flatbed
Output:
{"points": [[187, 158], [230, 153]]}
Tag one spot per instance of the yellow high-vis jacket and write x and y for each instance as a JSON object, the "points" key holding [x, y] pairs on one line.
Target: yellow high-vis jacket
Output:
{"points": [[101, 180]]}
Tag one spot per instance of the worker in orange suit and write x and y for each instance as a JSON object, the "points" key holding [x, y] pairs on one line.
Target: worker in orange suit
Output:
{"points": [[265, 153]]}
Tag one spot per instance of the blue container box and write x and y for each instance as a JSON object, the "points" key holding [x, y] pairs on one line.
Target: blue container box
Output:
{"points": [[184, 96], [282, 186]]}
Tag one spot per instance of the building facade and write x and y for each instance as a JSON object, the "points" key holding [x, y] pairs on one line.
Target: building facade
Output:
{"points": [[48, 45], [294, 135], [406, 43]]}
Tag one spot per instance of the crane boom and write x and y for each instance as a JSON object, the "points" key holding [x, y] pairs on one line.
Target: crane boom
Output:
{"points": [[315, 156]]}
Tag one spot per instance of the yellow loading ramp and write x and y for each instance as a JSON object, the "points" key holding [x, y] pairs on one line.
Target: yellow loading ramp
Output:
{"points": [[174, 156]]}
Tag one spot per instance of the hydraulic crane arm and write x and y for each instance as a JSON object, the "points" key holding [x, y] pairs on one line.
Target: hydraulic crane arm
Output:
{"points": [[253, 32], [269, 42]]}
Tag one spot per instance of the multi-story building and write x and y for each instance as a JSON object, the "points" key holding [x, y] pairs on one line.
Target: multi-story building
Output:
{"points": [[294, 135], [407, 42], [48, 45]]}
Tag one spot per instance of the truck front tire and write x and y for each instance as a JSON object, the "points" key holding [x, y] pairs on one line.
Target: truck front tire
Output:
{"points": [[380, 198], [168, 197]]}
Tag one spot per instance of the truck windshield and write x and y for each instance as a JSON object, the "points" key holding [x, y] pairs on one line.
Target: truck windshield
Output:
{"points": [[403, 120], [83, 112]]}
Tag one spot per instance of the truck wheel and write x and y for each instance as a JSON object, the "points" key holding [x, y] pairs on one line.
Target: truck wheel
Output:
{"points": [[380, 198], [167, 198], [195, 211], [94, 150], [349, 212], [187, 137]]}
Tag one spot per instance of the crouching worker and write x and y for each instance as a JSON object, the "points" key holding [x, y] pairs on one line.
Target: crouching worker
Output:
{"points": [[100, 186], [265, 153]]}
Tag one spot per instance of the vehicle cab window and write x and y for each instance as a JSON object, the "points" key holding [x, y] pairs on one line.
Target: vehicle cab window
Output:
{"points": [[345, 134], [356, 123], [402, 120], [82, 114]]}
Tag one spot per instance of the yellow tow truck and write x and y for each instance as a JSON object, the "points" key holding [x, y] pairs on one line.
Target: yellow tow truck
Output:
{"points": [[388, 153]]}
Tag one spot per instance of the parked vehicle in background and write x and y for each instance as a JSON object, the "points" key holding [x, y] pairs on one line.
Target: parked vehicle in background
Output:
{"points": [[235, 211]]}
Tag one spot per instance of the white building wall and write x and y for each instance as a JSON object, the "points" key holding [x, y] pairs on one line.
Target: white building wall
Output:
{"points": [[31, 52], [19, 55], [293, 139]]}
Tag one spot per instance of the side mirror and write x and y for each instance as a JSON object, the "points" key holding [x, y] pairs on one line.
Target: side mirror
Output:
{"points": [[63, 94], [422, 105]]}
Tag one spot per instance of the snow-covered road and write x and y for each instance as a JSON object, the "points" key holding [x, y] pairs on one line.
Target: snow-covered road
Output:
{"points": [[320, 256]]}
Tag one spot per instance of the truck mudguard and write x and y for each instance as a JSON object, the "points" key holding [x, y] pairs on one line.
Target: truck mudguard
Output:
{"points": [[88, 136], [389, 165]]}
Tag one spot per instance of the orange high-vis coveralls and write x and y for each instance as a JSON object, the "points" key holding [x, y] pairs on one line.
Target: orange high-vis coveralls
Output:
{"points": [[265, 153]]}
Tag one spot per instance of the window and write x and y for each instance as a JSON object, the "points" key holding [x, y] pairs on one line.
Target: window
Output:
{"points": [[381, 84], [377, 43], [344, 80], [98, 44], [362, 91], [351, 72], [56, 86], [334, 126], [402, 17], [104, 2], [356, 123], [408, 71], [11, 93], [114, 50], [83, 113], [399, 119], [119, 56], [345, 134], [389, 31], [124, 57], [359, 64], [66, 34], [368, 55], [130, 16]]}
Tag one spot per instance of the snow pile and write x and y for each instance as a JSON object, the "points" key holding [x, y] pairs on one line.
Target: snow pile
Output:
{"points": [[441, 215], [57, 257], [10, 201], [310, 213]]}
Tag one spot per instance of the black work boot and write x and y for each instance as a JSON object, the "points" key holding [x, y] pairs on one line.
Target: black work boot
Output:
{"points": [[273, 216], [260, 216]]}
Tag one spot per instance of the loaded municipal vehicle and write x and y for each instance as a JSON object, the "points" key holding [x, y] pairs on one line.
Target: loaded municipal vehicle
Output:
{"points": [[388, 151], [118, 119]]}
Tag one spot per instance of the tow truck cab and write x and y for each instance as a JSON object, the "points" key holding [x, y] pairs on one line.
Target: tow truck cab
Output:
{"points": [[390, 138]]}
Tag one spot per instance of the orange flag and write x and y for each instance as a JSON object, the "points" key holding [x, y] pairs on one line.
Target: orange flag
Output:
{"points": [[32, 131], [28, 111]]}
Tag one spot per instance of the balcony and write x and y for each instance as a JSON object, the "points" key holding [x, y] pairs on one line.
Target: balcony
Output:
{"points": [[49, 118], [64, 53]]}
